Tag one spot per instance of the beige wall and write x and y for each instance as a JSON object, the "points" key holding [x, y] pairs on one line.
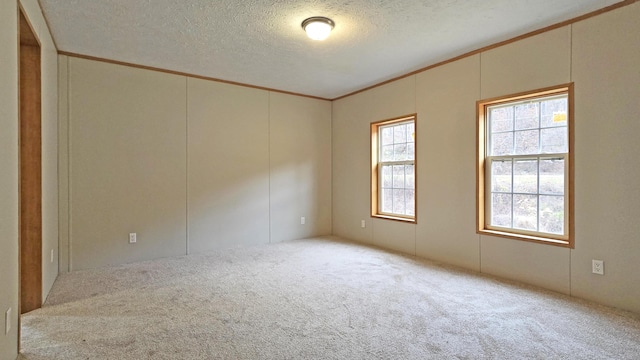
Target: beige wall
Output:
{"points": [[127, 160], [63, 164], [601, 56], [189, 165], [605, 68], [300, 167], [350, 167], [9, 163], [446, 98], [9, 176], [228, 165]]}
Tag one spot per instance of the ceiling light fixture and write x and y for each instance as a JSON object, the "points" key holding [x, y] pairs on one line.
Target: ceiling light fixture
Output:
{"points": [[318, 27]]}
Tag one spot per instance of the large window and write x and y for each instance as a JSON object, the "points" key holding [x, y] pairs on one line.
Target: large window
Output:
{"points": [[525, 166], [393, 169]]}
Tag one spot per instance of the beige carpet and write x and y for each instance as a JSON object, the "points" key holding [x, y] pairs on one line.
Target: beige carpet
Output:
{"points": [[315, 299]]}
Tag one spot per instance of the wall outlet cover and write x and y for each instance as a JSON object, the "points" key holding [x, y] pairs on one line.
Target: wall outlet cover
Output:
{"points": [[597, 267], [132, 238]]}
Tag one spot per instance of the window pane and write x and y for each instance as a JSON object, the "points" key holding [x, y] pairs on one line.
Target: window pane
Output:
{"points": [[501, 176], [387, 200], [411, 136], [527, 142], [554, 140], [525, 212], [410, 178], [502, 144], [553, 112], [398, 201], [387, 135], [525, 176], [552, 214], [552, 177], [501, 210], [387, 153], [398, 176], [527, 116], [387, 179], [411, 151], [400, 134], [409, 197], [400, 152], [501, 119]]}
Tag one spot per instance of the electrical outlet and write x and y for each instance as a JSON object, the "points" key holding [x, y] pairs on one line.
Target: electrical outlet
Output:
{"points": [[7, 321], [303, 220], [362, 224], [597, 267], [51, 255], [132, 238]]}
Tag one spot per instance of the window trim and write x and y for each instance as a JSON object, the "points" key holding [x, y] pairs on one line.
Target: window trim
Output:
{"points": [[375, 170], [567, 240]]}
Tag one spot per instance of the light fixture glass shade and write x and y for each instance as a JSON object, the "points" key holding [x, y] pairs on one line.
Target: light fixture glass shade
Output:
{"points": [[318, 28]]}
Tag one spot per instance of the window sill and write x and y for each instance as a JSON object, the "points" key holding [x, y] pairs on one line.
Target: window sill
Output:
{"points": [[395, 218], [529, 238]]}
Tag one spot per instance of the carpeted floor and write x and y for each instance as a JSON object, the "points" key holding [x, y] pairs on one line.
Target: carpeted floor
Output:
{"points": [[315, 299]]}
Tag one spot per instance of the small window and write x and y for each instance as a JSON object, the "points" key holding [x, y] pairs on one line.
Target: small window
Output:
{"points": [[393, 169], [525, 162]]}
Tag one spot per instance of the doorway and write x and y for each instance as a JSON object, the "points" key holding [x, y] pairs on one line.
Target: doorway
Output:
{"points": [[30, 169]]}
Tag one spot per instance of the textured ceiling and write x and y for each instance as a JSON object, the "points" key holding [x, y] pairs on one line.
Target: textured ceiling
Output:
{"points": [[260, 42]]}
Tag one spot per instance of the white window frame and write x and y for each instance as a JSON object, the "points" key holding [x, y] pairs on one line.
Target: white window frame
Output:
{"points": [[484, 170], [377, 165]]}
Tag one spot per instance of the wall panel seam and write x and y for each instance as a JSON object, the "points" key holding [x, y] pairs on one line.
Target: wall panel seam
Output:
{"points": [[571, 53], [269, 158], [186, 165], [69, 168]]}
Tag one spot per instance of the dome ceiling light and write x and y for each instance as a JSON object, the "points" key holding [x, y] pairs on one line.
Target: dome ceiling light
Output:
{"points": [[318, 27]]}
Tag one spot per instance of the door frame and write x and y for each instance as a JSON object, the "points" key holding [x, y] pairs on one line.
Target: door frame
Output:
{"points": [[30, 167]]}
